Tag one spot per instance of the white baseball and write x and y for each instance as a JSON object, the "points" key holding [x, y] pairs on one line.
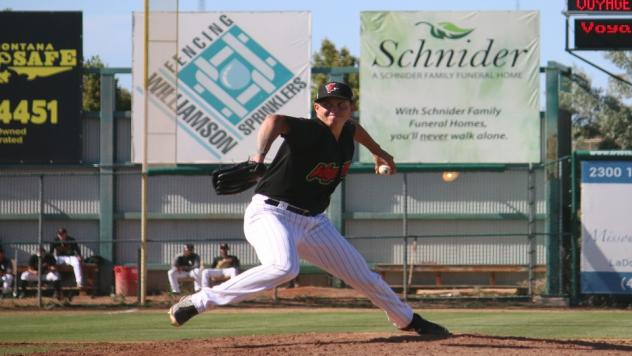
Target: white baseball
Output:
{"points": [[384, 170]]}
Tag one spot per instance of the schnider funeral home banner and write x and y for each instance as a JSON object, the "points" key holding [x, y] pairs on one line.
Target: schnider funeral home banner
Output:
{"points": [[213, 78], [606, 211], [451, 87]]}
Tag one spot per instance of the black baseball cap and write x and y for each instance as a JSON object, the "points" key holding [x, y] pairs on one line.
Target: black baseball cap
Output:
{"points": [[334, 90], [224, 247], [188, 247]]}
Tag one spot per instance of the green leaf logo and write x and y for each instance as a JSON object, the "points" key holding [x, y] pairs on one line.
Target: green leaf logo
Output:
{"points": [[446, 30]]}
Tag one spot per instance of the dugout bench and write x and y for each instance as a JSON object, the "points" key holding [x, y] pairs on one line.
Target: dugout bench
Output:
{"points": [[435, 275], [90, 273], [157, 277]]}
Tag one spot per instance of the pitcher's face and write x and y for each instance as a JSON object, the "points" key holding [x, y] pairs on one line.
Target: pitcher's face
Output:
{"points": [[333, 111]]}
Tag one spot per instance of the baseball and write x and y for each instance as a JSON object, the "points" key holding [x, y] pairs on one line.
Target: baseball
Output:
{"points": [[384, 170]]}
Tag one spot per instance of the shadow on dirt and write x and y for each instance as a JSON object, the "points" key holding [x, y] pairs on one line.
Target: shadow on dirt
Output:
{"points": [[472, 341]]}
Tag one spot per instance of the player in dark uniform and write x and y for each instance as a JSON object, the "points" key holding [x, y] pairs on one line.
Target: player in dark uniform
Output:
{"points": [[285, 220], [66, 251], [185, 265], [223, 267], [49, 273]]}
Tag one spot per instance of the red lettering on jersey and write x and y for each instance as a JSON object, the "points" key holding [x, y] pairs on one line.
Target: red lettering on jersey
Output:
{"points": [[345, 169], [326, 173]]}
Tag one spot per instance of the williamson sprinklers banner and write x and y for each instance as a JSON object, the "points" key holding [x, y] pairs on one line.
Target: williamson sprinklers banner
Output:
{"points": [[213, 78], [451, 87]]}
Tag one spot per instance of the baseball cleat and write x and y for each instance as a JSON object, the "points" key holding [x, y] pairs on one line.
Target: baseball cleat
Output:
{"points": [[182, 311], [426, 328]]}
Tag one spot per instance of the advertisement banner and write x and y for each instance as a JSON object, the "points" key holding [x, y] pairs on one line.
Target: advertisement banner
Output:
{"points": [[40, 87], [606, 249], [213, 78], [451, 87]]}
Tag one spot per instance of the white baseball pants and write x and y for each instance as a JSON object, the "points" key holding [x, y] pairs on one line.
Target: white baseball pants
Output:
{"points": [[76, 267], [32, 276], [174, 275], [7, 281], [208, 273], [281, 238]]}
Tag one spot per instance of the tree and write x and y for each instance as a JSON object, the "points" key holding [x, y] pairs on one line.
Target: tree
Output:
{"points": [[329, 56], [583, 103], [602, 114], [92, 88]]}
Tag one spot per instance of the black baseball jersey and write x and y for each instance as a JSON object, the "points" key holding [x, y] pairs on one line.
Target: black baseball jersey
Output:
{"points": [[229, 261], [309, 165], [187, 263], [67, 247], [5, 266], [47, 261]]}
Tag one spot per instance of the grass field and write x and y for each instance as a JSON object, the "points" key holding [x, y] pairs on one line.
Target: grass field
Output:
{"points": [[146, 325]]}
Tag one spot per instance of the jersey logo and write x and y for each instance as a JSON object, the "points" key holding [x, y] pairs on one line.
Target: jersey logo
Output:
{"points": [[326, 173]]}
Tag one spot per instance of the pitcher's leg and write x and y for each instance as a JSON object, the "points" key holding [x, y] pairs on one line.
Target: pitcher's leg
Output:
{"points": [[327, 249], [271, 235]]}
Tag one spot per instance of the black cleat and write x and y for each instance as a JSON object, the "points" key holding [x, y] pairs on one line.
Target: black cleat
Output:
{"points": [[427, 328], [182, 311]]}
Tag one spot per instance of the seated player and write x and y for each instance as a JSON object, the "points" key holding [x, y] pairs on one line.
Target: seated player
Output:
{"points": [[6, 274], [185, 265], [66, 252], [224, 267], [49, 272]]}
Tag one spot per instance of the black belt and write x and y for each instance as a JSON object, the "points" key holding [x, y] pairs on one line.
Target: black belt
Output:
{"points": [[294, 209]]}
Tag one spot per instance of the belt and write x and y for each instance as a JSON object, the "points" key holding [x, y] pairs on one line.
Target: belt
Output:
{"points": [[288, 207]]}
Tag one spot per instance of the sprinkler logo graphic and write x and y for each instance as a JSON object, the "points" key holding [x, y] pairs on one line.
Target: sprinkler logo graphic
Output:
{"points": [[235, 75]]}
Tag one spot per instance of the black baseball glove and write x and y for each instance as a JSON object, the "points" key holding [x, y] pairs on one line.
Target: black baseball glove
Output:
{"points": [[237, 178]]}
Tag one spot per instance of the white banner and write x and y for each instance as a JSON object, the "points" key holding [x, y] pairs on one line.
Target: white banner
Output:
{"points": [[606, 206], [451, 87], [213, 78]]}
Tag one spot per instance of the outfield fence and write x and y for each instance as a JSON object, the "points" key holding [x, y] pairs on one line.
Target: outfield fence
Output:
{"points": [[491, 214]]}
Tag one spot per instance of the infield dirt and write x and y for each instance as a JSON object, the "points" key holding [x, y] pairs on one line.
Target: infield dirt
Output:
{"points": [[365, 344], [342, 344]]}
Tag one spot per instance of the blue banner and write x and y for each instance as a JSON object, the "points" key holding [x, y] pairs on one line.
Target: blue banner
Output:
{"points": [[606, 282], [607, 172], [606, 206]]}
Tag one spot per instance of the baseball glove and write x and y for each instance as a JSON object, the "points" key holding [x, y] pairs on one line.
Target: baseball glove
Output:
{"points": [[237, 178], [225, 263]]}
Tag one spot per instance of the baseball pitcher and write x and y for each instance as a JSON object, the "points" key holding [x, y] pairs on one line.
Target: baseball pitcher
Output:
{"points": [[285, 222]]}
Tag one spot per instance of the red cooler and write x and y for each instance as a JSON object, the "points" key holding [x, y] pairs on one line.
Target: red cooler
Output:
{"points": [[126, 280]]}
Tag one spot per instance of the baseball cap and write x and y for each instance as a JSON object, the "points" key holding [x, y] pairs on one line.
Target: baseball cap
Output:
{"points": [[224, 247], [188, 247], [334, 90]]}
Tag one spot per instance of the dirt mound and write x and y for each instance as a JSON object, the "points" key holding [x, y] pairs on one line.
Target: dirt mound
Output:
{"points": [[342, 344]]}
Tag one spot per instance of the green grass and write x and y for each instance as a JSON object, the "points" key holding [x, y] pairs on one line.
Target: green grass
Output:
{"points": [[94, 326]]}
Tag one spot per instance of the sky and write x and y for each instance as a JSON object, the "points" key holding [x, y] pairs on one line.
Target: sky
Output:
{"points": [[108, 24]]}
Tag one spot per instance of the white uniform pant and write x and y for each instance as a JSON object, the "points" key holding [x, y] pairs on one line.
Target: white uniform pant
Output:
{"points": [[174, 275], [281, 238], [29, 276], [7, 283], [209, 273], [76, 266]]}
